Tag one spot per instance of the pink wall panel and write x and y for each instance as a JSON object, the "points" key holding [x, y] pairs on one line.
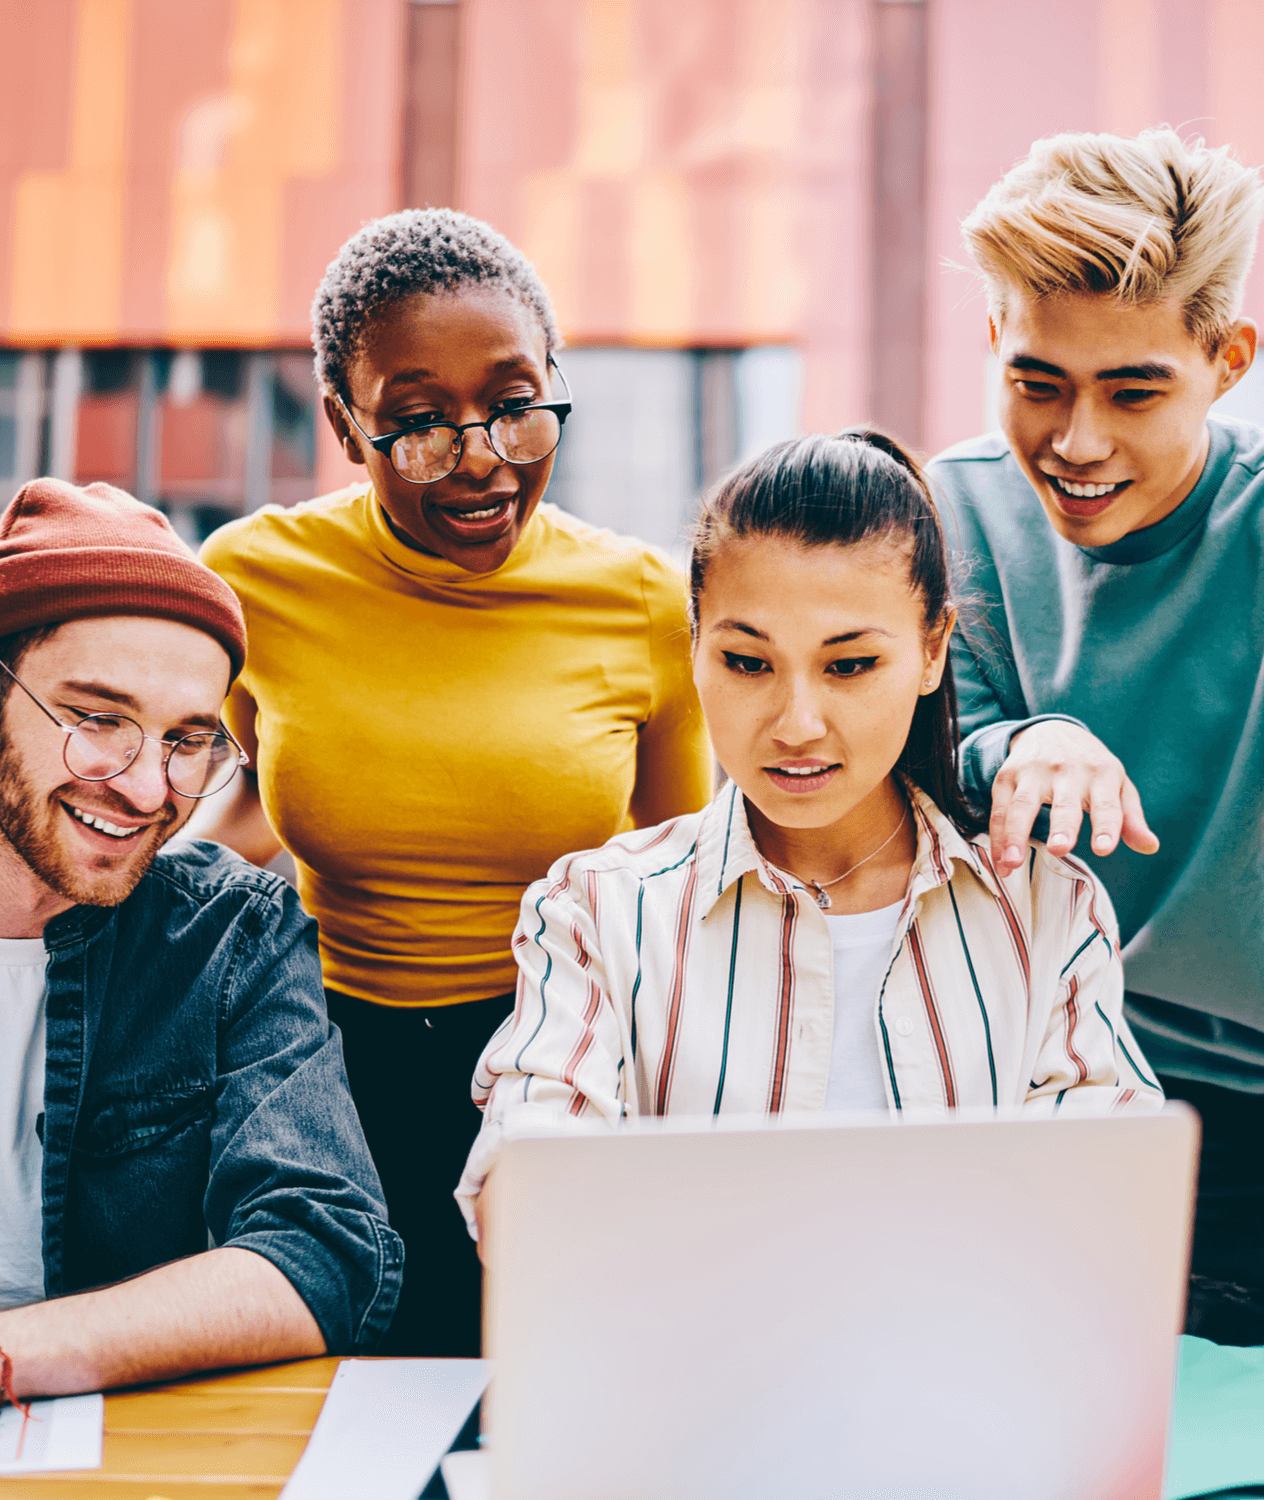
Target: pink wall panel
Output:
{"points": [[35, 84], [1001, 75], [832, 225], [180, 60], [321, 212], [681, 174], [252, 137]]}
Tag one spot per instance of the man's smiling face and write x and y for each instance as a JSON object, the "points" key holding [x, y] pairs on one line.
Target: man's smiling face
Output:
{"points": [[1105, 407], [170, 678]]}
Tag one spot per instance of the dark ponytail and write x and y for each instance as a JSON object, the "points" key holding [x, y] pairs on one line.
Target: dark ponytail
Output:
{"points": [[856, 487]]}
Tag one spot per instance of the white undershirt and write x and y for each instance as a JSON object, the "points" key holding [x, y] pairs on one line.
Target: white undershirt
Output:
{"points": [[862, 950], [22, 993]]}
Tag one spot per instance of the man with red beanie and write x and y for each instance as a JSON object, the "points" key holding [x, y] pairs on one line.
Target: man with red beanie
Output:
{"points": [[168, 1079]]}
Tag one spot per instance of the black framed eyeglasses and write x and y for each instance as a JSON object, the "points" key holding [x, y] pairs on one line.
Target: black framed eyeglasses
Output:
{"points": [[102, 746], [429, 451]]}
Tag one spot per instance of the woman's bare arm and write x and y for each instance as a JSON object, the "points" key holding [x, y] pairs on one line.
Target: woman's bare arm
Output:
{"points": [[239, 822]]}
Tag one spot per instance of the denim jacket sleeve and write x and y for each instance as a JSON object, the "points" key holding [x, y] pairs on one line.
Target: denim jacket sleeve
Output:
{"points": [[290, 1175]]}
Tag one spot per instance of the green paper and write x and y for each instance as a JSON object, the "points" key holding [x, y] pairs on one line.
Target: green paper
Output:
{"points": [[1217, 1437]]}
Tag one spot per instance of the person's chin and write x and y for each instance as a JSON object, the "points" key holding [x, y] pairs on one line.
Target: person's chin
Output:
{"points": [[483, 544], [106, 880], [796, 809], [1087, 524]]}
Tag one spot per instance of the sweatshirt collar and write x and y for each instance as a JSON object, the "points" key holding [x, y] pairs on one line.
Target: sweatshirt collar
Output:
{"points": [[1152, 541]]}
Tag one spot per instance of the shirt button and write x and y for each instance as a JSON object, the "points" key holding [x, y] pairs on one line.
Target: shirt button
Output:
{"points": [[904, 1026]]}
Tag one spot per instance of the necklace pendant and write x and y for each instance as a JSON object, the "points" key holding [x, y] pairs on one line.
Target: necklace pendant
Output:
{"points": [[823, 899]]}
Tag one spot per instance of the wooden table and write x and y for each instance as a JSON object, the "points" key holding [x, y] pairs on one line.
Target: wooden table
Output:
{"points": [[233, 1436]]}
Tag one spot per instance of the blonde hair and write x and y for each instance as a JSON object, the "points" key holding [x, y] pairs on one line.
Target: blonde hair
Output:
{"points": [[1142, 219]]}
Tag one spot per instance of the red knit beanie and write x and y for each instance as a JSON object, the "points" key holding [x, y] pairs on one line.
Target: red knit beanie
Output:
{"points": [[69, 554]]}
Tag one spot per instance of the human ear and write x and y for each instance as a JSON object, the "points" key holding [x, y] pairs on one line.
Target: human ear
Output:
{"points": [[348, 440], [994, 335], [936, 651], [1238, 354]]}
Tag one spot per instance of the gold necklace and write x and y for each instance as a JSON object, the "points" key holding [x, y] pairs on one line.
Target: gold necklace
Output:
{"points": [[820, 887]]}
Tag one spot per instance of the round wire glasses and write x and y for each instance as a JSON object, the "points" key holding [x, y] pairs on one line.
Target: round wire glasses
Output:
{"points": [[100, 747], [430, 451]]}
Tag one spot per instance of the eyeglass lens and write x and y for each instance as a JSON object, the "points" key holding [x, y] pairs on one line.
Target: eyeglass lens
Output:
{"points": [[519, 437], [102, 746]]}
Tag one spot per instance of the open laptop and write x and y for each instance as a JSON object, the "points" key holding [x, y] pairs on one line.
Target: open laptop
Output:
{"points": [[823, 1309]]}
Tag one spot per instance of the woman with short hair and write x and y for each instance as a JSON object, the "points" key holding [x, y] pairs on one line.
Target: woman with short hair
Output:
{"points": [[831, 932], [449, 683]]}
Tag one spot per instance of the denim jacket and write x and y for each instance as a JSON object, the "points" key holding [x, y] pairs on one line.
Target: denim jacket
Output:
{"points": [[193, 1084]]}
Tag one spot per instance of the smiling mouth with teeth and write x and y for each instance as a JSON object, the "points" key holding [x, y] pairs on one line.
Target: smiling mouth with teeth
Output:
{"points": [[1084, 491], [802, 774], [476, 515], [99, 825]]}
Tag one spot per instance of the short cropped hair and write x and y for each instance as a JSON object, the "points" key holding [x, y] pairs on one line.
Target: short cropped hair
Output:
{"points": [[14, 647], [434, 250], [1142, 219]]}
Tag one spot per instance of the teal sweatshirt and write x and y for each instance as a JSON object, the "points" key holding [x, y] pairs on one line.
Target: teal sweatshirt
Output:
{"points": [[1156, 644]]}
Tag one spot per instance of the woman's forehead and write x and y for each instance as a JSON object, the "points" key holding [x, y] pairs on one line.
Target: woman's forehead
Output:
{"points": [[449, 336], [794, 586]]}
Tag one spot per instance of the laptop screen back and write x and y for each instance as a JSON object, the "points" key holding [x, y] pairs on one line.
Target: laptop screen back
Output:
{"points": [[824, 1311]]}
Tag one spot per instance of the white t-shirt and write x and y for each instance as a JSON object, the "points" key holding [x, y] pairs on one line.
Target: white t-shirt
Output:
{"points": [[22, 994], [862, 951]]}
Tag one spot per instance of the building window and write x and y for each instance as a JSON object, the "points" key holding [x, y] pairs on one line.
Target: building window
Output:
{"points": [[204, 434], [653, 428]]}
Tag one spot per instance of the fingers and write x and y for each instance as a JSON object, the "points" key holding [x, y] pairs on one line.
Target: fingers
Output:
{"points": [[1066, 813], [1064, 766], [1015, 806], [1105, 810], [1138, 834]]}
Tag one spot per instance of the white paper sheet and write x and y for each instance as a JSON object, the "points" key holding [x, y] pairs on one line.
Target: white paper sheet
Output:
{"points": [[63, 1433], [384, 1427]]}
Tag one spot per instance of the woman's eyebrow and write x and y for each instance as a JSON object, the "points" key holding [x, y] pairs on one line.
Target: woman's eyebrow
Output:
{"points": [[854, 635], [515, 362], [511, 364], [739, 625], [409, 377], [834, 640]]}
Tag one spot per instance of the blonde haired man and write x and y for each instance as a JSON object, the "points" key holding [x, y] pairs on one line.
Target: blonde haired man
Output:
{"points": [[1113, 536]]}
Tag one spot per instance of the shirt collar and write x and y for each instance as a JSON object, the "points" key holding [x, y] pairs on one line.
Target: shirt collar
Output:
{"points": [[79, 924], [727, 850]]}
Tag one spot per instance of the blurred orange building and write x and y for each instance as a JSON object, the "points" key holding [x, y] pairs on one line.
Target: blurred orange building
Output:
{"points": [[742, 207]]}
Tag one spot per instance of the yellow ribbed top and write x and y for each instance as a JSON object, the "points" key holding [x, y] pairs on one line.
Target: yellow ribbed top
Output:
{"points": [[431, 740]]}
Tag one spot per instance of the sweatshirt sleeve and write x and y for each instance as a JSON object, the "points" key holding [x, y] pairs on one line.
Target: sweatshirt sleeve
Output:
{"points": [[986, 727]]}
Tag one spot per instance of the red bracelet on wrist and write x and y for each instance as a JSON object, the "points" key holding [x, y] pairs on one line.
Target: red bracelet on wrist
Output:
{"points": [[7, 1393]]}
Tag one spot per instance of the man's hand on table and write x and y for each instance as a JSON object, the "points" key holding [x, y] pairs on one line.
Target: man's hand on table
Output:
{"points": [[1061, 764], [225, 1307]]}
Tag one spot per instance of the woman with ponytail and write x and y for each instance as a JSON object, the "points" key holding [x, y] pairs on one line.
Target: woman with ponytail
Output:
{"points": [[831, 932]]}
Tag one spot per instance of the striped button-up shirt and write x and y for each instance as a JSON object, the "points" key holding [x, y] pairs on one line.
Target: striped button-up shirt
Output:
{"points": [[675, 971]]}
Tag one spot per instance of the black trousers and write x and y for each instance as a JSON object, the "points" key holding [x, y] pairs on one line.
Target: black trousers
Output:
{"points": [[410, 1071], [1226, 1284]]}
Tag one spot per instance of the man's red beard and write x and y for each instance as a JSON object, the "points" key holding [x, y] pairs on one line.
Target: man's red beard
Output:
{"points": [[31, 828]]}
